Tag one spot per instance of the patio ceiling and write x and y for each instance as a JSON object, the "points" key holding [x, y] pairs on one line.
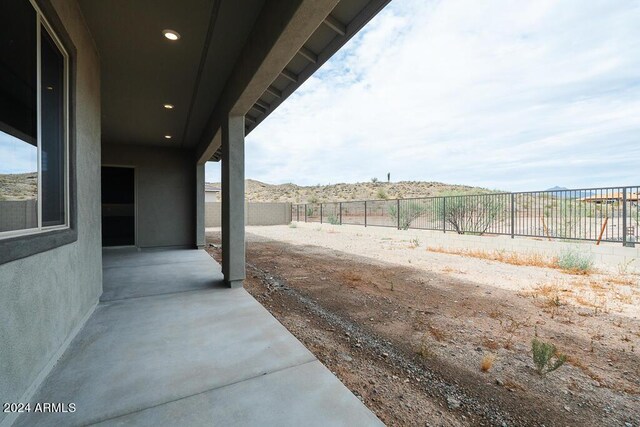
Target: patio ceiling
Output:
{"points": [[142, 70]]}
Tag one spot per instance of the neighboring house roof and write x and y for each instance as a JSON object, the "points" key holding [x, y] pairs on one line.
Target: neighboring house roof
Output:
{"points": [[611, 197], [211, 187]]}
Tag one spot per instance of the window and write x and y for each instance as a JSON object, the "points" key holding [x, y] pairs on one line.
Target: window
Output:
{"points": [[34, 146]]}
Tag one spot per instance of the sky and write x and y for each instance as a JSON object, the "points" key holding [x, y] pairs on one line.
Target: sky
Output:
{"points": [[508, 95], [17, 156]]}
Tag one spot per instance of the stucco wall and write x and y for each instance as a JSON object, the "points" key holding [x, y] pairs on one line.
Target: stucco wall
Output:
{"points": [[254, 214], [45, 297], [165, 192]]}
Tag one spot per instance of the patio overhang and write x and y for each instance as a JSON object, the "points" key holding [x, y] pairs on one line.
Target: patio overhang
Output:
{"points": [[231, 58], [229, 65]]}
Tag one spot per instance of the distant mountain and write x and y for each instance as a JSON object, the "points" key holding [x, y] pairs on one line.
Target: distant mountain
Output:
{"points": [[572, 194], [18, 186], [256, 191]]}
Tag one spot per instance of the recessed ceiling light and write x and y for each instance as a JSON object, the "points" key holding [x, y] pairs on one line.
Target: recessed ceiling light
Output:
{"points": [[167, 136], [168, 106], [171, 35]]}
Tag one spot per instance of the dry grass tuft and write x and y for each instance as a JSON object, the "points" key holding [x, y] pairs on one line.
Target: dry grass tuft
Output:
{"points": [[623, 280], [352, 277], [495, 314], [510, 384], [449, 269], [513, 258], [438, 334], [570, 264], [487, 362], [490, 344], [425, 348]]}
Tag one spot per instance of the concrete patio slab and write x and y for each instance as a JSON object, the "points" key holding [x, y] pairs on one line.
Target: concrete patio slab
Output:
{"points": [[134, 257], [315, 399], [173, 271], [183, 345]]}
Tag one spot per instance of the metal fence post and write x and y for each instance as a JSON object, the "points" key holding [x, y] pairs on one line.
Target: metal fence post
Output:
{"points": [[305, 212], [365, 213], [513, 216], [398, 214], [320, 213], [444, 214], [624, 216], [340, 207]]}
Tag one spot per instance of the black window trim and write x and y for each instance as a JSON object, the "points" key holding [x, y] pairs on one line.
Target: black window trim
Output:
{"points": [[22, 246]]}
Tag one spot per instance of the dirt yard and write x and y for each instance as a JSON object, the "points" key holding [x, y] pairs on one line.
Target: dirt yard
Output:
{"points": [[410, 330]]}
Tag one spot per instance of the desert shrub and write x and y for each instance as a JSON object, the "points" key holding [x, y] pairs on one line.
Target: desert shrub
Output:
{"points": [[472, 215], [487, 362], [572, 260], [565, 217], [381, 194], [333, 220], [408, 212], [293, 225], [374, 180], [314, 199], [309, 211], [543, 353]]}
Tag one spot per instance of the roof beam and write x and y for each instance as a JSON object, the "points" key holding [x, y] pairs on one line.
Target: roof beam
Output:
{"points": [[262, 104], [289, 75], [259, 108], [281, 29], [308, 54], [274, 91], [337, 26]]}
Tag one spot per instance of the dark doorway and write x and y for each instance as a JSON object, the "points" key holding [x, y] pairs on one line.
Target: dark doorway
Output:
{"points": [[118, 206]]}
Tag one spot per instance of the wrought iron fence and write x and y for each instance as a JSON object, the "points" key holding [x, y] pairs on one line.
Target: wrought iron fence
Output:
{"points": [[609, 214]]}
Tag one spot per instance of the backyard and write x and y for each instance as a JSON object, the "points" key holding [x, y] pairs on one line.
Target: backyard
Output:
{"points": [[423, 336]]}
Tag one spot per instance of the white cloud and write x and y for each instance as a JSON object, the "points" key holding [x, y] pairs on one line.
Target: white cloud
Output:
{"points": [[503, 94], [16, 155]]}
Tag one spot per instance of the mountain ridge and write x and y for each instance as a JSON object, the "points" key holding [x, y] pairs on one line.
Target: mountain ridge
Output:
{"points": [[257, 191]]}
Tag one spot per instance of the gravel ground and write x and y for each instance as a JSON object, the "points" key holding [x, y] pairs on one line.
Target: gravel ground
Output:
{"points": [[406, 329]]}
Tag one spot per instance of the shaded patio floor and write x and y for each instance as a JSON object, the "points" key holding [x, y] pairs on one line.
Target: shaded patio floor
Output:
{"points": [[169, 345]]}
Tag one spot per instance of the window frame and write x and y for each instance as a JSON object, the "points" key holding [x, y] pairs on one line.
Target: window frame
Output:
{"points": [[16, 244]]}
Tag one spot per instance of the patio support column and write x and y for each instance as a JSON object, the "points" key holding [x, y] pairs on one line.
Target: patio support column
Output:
{"points": [[233, 250], [200, 239]]}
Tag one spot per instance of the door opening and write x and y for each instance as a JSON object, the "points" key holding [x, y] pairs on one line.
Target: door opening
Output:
{"points": [[118, 206]]}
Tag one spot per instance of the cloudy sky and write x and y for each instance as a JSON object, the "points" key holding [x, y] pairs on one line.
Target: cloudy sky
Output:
{"points": [[508, 95]]}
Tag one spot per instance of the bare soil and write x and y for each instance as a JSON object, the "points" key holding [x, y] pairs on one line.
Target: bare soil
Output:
{"points": [[409, 341]]}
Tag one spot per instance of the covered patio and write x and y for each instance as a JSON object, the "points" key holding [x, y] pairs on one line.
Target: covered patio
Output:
{"points": [[110, 301], [170, 345]]}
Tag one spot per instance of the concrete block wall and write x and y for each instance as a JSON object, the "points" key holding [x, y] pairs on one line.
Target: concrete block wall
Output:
{"points": [[254, 213], [18, 214]]}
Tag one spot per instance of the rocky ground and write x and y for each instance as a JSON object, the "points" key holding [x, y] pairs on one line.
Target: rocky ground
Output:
{"points": [[410, 341]]}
